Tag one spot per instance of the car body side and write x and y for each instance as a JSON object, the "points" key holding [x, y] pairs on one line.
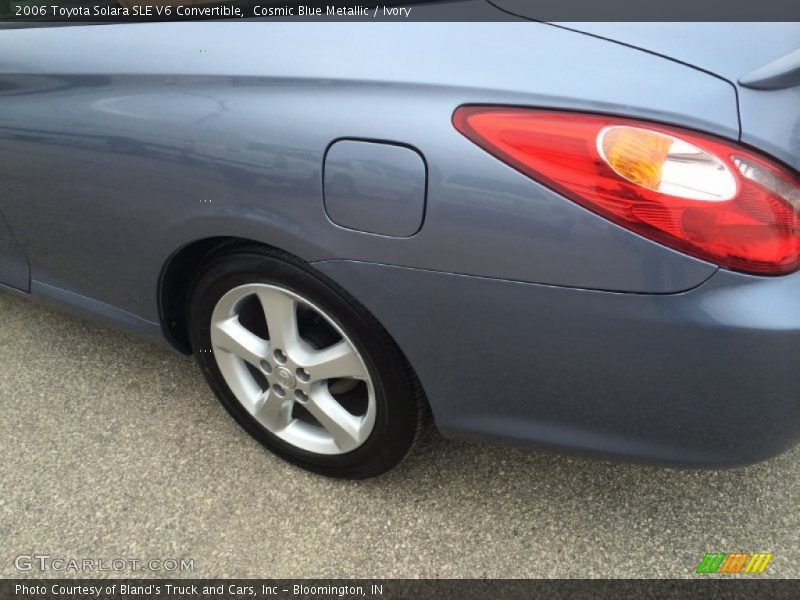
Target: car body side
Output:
{"points": [[526, 317]]}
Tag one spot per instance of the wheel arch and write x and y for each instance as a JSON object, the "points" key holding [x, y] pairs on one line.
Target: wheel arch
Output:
{"points": [[180, 270], [175, 280]]}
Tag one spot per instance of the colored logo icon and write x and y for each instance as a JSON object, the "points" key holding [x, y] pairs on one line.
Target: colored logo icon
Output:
{"points": [[736, 562]]}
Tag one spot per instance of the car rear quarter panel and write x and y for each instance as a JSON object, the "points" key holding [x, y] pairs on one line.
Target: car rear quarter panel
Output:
{"points": [[131, 141], [705, 377], [770, 119]]}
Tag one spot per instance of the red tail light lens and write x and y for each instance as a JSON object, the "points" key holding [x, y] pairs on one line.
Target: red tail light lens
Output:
{"points": [[701, 195]]}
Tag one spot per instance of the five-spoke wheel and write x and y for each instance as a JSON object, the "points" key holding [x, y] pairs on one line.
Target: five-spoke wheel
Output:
{"points": [[301, 365], [294, 370]]}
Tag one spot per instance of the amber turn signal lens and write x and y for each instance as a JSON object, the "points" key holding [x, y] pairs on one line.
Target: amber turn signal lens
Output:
{"points": [[664, 163], [636, 154]]}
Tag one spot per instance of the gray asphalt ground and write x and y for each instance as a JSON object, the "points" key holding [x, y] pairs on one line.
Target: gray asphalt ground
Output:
{"points": [[115, 448]]}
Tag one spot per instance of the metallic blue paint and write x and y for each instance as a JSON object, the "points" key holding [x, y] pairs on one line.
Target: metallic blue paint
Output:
{"points": [[769, 118], [779, 74], [133, 143], [375, 187], [706, 377], [14, 270], [207, 128]]}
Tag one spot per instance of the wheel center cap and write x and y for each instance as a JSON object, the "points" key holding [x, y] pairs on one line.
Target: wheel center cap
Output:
{"points": [[285, 377]]}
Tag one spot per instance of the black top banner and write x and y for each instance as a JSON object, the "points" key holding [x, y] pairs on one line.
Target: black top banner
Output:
{"points": [[26, 13]]}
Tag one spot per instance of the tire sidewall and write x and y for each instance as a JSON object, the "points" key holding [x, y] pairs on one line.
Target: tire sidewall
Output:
{"points": [[394, 428]]}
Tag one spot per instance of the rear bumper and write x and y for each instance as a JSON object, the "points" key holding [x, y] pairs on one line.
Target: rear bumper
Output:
{"points": [[708, 377]]}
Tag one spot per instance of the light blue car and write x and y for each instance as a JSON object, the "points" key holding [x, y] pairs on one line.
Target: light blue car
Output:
{"points": [[583, 237]]}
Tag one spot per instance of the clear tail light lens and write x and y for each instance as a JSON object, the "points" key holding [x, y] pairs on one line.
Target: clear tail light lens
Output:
{"points": [[698, 194]]}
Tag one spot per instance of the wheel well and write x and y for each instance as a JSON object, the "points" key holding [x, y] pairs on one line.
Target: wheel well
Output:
{"points": [[175, 282]]}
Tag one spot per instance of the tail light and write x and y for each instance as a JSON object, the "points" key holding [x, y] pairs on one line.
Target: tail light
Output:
{"points": [[698, 194]]}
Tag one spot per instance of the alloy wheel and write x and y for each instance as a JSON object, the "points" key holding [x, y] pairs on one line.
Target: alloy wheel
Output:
{"points": [[293, 368]]}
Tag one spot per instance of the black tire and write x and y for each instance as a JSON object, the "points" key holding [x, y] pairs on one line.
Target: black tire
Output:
{"points": [[401, 411]]}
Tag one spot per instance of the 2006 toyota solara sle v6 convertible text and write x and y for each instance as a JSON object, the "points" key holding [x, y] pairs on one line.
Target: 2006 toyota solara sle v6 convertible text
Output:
{"points": [[580, 236]]}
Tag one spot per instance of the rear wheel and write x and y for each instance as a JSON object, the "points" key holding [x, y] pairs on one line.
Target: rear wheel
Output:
{"points": [[301, 365]]}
